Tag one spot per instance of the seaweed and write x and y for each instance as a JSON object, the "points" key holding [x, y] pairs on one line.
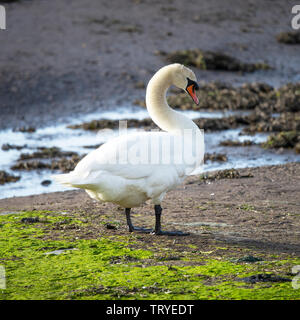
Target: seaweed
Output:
{"points": [[210, 60]]}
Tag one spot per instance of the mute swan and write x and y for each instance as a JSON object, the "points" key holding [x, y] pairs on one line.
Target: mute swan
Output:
{"points": [[112, 173]]}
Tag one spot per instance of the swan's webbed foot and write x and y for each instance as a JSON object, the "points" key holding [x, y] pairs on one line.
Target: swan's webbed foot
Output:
{"points": [[140, 229], [130, 225], [158, 230]]}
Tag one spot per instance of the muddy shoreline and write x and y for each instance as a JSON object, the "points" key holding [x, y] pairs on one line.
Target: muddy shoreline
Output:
{"points": [[258, 208]]}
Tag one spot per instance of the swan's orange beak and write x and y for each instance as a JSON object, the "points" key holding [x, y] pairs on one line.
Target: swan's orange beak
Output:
{"points": [[192, 92]]}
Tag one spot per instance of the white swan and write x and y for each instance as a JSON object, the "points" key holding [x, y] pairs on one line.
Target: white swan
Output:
{"points": [[132, 168]]}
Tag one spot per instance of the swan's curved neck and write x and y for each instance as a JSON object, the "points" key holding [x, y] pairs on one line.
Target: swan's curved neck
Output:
{"points": [[166, 118]]}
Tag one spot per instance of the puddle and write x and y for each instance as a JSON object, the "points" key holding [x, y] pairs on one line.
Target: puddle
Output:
{"points": [[75, 140]]}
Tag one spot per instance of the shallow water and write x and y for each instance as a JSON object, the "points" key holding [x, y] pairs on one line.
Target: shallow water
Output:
{"points": [[75, 140]]}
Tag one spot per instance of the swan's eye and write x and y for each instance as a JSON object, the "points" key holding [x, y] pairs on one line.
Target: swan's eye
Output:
{"points": [[192, 83]]}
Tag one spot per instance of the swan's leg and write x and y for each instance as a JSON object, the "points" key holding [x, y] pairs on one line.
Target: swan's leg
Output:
{"points": [[158, 230], [130, 225]]}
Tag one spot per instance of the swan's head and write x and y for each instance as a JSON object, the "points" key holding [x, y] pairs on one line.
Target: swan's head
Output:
{"points": [[184, 78]]}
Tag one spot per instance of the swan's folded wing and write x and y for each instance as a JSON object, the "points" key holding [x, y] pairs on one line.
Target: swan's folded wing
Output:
{"points": [[132, 156], [120, 156]]}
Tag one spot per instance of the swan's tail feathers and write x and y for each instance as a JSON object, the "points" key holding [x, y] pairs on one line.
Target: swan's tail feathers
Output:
{"points": [[75, 179], [65, 179]]}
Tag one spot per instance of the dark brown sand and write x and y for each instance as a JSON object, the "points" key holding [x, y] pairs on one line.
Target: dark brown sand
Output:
{"points": [[259, 212]]}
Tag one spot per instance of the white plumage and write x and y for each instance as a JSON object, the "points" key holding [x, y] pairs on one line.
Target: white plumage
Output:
{"points": [[132, 168]]}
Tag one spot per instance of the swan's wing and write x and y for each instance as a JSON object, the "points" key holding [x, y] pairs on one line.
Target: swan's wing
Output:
{"points": [[139, 155], [150, 157], [125, 156]]}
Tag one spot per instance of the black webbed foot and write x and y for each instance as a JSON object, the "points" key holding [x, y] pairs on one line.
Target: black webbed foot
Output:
{"points": [[130, 225], [140, 229], [157, 230]]}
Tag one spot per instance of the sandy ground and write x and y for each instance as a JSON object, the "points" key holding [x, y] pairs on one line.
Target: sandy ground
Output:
{"points": [[259, 212], [61, 58]]}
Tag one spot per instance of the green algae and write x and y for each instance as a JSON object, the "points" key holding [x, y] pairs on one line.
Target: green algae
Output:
{"points": [[246, 207], [116, 267]]}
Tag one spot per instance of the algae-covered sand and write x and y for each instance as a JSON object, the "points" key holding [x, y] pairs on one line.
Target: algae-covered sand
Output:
{"points": [[244, 242]]}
